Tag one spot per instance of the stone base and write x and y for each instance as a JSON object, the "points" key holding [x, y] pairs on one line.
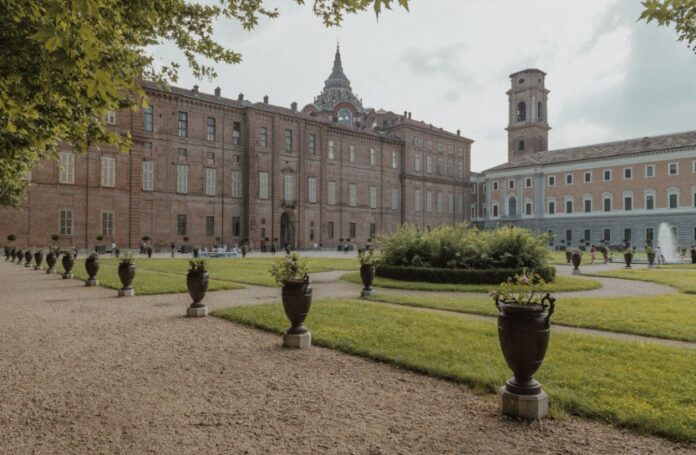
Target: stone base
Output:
{"points": [[92, 283], [67, 276], [525, 406], [367, 293], [126, 292], [27, 265], [196, 312], [38, 268], [51, 271], [297, 341], [576, 271]]}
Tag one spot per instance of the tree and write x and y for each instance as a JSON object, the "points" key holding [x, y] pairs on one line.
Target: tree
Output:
{"points": [[66, 63], [680, 13]]}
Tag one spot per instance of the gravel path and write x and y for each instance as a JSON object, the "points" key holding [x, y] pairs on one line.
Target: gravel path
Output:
{"points": [[82, 371]]}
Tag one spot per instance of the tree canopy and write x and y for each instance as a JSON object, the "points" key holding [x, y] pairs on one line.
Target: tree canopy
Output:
{"points": [[66, 63], [679, 13]]}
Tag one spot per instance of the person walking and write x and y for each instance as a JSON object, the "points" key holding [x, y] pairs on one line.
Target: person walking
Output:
{"points": [[273, 249], [605, 254], [173, 248], [593, 253]]}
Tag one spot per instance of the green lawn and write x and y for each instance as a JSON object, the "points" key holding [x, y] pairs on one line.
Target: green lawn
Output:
{"points": [[562, 283], [678, 266], [234, 270], [146, 282], [683, 280], [643, 386], [665, 316]]}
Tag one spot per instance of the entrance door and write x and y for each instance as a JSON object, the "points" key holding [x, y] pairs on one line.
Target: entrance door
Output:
{"points": [[287, 230]]}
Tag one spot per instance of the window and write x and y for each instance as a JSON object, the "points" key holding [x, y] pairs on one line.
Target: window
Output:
{"points": [[181, 224], [353, 195], [539, 111], [440, 147], [394, 199], [673, 198], [345, 117], [332, 150], [373, 197], [373, 157], [66, 222], [236, 226], [210, 130], [606, 235], [210, 180], [673, 169], [552, 180], [418, 142], [649, 235], [312, 189], [428, 145], [440, 201], [331, 196], [110, 117], [693, 166], [649, 201], [263, 185], [147, 148], [527, 208], [417, 163], [511, 184], [606, 175], [67, 168], [494, 210], [149, 119], [587, 205], [628, 173], [450, 149], [650, 171], [351, 153], [628, 235], [588, 177], [393, 160], [289, 187], [495, 185], [330, 229], [512, 206], [569, 206], [521, 111], [373, 230], [461, 170], [628, 201], [182, 179], [148, 175], [473, 211], [528, 182], [210, 226], [417, 201], [428, 164], [107, 223], [108, 171], [450, 202], [263, 137], [552, 208], [428, 201], [569, 179], [520, 146], [439, 167], [606, 203], [236, 133], [311, 230], [182, 124], [181, 154], [351, 230], [569, 236], [236, 184], [312, 144], [288, 140]]}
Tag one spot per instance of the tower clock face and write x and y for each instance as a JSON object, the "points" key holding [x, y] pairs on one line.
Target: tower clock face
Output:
{"points": [[345, 117]]}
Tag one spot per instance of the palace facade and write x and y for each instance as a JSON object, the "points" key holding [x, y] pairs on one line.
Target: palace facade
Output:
{"points": [[205, 169]]}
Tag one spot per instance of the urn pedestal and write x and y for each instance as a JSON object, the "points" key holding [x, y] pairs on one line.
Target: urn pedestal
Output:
{"points": [[297, 299]]}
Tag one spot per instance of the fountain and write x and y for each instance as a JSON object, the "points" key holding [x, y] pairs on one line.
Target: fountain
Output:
{"points": [[667, 242]]}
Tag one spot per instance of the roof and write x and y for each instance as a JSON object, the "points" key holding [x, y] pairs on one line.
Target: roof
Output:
{"points": [[603, 150]]}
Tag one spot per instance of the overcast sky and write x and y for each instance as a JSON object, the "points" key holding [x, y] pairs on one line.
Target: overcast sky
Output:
{"points": [[449, 61]]}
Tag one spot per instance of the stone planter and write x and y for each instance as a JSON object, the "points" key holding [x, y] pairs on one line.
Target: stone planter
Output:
{"points": [[576, 259], [628, 258], [523, 331], [568, 256], [51, 262], [197, 285], [13, 254], [297, 299], [92, 268], [27, 258], [38, 259], [651, 259], [20, 257], [367, 275], [7, 253], [68, 262], [149, 252], [126, 273]]}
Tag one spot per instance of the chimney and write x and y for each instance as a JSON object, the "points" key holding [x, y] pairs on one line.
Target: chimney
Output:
{"points": [[459, 132], [217, 92], [409, 115], [293, 106], [195, 89], [265, 99], [405, 114], [240, 97]]}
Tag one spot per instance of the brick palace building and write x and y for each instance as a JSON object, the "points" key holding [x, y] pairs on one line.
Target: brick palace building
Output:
{"points": [[218, 171]]}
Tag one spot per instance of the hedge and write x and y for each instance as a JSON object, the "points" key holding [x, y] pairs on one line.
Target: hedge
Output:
{"points": [[461, 276]]}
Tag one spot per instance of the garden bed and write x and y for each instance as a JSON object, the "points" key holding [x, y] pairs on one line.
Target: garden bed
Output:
{"points": [[456, 276]]}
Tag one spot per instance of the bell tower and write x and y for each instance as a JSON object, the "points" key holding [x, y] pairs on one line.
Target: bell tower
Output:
{"points": [[528, 128]]}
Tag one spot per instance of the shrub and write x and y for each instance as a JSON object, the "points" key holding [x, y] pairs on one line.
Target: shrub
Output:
{"points": [[462, 276]]}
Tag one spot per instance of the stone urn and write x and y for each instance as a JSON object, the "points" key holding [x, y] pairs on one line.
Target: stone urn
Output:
{"points": [[576, 259], [126, 273], [20, 257], [568, 256], [68, 262], [7, 253], [13, 254], [628, 258], [197, 285], [149, 252], [367, 275], [297, 299], [51, 262], [92, 268], [38, 259], [651, 258], [523, 331], [27, 258]]}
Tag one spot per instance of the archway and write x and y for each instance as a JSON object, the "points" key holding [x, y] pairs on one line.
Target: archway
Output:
{"points": [[287, 229]]}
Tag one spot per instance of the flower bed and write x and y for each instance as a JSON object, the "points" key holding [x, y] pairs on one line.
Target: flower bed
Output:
{"points": [[463, 276]]}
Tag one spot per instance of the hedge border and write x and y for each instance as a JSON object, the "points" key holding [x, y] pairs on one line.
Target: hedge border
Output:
{"points": [[457, 276]]}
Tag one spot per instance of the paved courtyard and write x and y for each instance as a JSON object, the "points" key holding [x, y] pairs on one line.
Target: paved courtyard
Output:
{"points": [[82, 371]]}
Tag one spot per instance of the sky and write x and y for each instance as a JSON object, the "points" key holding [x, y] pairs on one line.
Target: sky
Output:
{"points": [[448, 62]]}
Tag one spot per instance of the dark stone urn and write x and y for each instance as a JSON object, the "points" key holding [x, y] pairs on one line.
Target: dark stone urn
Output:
{"points": [[628, 258], [568, 256], [197, 284], [27, 258], [68, 262], [651, 259], [92, 267], [38, 259], [51, 262], [13, 254], [297, 298], [367, 275], [20, 257], [523, 331], [126, 273], [149, 252], [577, 258], [7, 253]]}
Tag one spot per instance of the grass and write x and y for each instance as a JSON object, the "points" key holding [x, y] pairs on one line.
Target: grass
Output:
{"points": [[562, 283], [683, 280], [664, 316], [146, 282], [643, 386], [253, 271], [678, 266]]}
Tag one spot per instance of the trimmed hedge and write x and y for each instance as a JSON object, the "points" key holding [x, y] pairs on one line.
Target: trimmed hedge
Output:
{"points": [[462, 276]]}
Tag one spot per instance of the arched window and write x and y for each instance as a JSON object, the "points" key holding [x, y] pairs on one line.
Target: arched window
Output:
{"points": [[512, 206], [345, 117], [540, 115], [521, 111], [520, 146]]}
